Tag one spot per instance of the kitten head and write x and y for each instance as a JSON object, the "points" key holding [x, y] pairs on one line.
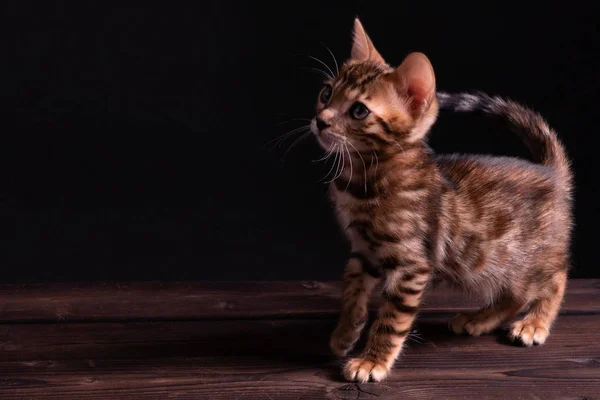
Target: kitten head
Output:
{"points": [[372, 106]]}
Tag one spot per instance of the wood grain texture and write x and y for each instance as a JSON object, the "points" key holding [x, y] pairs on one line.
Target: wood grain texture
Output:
{"points": [[217, 300], [281, 354]]}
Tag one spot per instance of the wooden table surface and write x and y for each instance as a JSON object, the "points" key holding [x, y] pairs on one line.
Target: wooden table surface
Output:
{"points": [[268, 340]]}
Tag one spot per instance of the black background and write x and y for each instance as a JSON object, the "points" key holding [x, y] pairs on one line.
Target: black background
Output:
{"points": [[134, 134]]}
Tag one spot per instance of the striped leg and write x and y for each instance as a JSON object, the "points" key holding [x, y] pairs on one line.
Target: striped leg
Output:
{"points": [[402, 296], [359, 281]]}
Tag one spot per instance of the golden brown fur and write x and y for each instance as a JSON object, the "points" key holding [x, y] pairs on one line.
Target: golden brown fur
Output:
{"points": [[498, 227]]}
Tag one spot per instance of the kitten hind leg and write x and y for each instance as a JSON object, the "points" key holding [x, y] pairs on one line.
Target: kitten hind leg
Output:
{"points": [[358, 286], [486, 319], [534, 327]]}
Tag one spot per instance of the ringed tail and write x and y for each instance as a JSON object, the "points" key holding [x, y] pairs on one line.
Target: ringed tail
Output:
{"points": [[531, 127]]}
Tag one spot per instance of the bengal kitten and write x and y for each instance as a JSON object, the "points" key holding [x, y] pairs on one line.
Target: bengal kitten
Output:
{"points": [[496, 226]]}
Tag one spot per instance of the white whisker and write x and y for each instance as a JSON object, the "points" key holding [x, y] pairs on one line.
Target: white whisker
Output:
{"points": [[350, 157], [376, 165], [295, 130], [337, 68], [298, 140], [280, 139], [343, 162], [325, 65], [398, 145], [340, 164], [327, 154], [363, 162], [319, 71], [335, 160], [416, 339]]}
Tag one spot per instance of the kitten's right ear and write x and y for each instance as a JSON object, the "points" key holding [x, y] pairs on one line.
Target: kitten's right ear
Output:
{"points": [[362, 47]]}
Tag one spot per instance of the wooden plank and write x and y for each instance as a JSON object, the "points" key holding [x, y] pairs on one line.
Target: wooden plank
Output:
{"points": [[205, 300], [285, 359], [191, 378], [298, 338]]}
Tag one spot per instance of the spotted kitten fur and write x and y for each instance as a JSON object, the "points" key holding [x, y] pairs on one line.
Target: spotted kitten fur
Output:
{"points": [[496, 226]]}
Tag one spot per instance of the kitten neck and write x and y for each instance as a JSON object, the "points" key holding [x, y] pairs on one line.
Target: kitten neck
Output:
{"points": [[376, 164]]}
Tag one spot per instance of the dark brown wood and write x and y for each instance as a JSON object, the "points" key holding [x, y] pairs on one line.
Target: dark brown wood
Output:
{"points": [[102, 349], [216, 300], [285, 360]]}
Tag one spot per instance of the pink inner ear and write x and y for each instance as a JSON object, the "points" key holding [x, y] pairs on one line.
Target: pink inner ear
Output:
{"points": [[416, 81], [419, 92]]}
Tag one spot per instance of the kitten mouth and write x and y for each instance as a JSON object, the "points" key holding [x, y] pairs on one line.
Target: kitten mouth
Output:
{"points": [[335, 136], [326, 137]]}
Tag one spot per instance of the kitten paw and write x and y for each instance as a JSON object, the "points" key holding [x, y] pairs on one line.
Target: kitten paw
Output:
{"points": [[360, 370], [339, 348], [341, 343], [469, 324], [458, 322], [529, 333]]}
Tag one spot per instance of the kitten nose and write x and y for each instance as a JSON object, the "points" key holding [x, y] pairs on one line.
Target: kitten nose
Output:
{"points": [[321, 124]]}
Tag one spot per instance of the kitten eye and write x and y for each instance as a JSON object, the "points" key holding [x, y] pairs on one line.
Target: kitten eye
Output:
{"points": [[359, 111], [326, 94]]}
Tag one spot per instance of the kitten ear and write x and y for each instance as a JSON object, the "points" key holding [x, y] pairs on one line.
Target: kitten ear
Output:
{"points": [[362, 47], [415, 81]]}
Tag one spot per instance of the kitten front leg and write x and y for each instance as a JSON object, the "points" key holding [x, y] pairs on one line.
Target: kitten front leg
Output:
{"points": [[359, 280], [402, 296]]}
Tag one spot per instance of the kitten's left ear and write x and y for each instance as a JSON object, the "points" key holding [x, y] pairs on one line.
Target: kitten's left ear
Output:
{"points": [[414, 80], [362, 47]]}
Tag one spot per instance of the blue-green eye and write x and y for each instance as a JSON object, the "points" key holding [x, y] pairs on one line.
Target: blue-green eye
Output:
{"points": [[326, 94], [359, 110]]}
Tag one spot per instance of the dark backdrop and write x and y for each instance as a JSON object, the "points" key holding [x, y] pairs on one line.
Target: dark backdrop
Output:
{"points": [[134, 134]]}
